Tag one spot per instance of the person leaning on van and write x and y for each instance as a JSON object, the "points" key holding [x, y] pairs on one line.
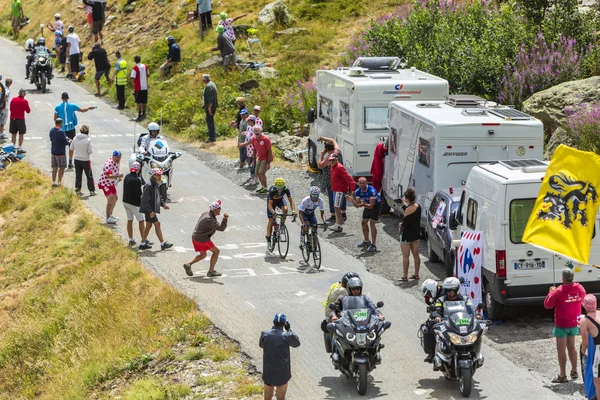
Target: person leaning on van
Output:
{"points": [[410, 231], [330, 147]]}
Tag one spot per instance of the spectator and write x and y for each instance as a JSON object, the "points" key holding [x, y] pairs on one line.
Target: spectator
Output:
{"points": [[205, 13], [256, 113], [227, 23], [150, 205], [82, 150], [3, 108], [132, 197], [264, 156], [410, 229], [120, 79], [57, 43], [108, 183], [97, 19], [88, 18], [377, 166], [341, 183], [17, 16], [66, 111], [206, 226], [139, 81], [250, 153], [58, 142], [330, 148], [73, 52], [98, 54], [4, 112], [367, 197], [62, 55], [589, 326], [227, 49], [173, 58], [18, 107], [242, 127], [210, 104], [277, 370], [58, 25], [566, 301], [241, 103]]}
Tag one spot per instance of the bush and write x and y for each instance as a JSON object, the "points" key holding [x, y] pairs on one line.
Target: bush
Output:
{"points": [[584, 127]]}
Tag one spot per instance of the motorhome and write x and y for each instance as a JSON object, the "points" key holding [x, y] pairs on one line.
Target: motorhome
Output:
{"points": [[434, 144], [497, 200], [352, 106]]}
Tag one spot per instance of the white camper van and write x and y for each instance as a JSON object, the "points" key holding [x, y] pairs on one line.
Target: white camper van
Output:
{"points": [[434, 144], [352, 106], [498, 199]]}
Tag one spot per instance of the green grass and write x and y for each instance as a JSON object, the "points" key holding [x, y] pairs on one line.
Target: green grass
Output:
{"points": [[155, 389]]}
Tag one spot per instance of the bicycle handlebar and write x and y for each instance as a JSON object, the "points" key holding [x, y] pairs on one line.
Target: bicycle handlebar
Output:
{"points": [[287, 215]]}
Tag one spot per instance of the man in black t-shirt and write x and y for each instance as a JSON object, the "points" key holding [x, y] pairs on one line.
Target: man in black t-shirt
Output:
{"points": [[98, 54], [132, 195]]}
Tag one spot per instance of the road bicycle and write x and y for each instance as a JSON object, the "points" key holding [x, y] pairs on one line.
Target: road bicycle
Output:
{"points": [[8, 155], [309, 244], [280, 235]]}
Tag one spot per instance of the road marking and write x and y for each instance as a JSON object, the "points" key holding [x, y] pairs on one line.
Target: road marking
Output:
{"points": [[248, 272], [300, 293], [181, 249], [33, 138], [182, 231], [252, 305], [275, 272]]}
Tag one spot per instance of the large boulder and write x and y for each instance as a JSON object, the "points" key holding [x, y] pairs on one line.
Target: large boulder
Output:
{"points": [[268, 72], [550, 105], [214, 61], [276, 12], [559, 136]]}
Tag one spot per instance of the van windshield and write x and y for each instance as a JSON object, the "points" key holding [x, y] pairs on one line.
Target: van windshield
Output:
{"points": [[376, 118], [520, 210]]}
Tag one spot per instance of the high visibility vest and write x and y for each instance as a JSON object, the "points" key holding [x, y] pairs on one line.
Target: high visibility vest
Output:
{"points": [[122, 72]]}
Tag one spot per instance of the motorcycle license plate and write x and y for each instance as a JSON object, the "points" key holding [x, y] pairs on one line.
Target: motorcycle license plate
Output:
{"points": [[530, 265]]}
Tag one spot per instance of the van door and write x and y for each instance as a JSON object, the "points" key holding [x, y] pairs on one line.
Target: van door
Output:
{"points": [[390, 178]]}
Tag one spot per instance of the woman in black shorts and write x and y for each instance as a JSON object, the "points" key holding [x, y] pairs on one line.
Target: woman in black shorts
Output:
{"points": [[410, 229]]}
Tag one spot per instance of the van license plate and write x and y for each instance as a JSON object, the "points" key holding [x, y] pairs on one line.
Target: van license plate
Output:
{"points": [[530, 265]]}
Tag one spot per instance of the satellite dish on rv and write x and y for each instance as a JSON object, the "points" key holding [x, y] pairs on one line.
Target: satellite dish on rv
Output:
{"points": [[357, 71]]}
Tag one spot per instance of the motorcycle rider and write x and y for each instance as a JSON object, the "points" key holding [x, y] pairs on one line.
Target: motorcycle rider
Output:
{"points": [[431, 291], [153, 133], [335, 291], [354, 287], [40, 47]]}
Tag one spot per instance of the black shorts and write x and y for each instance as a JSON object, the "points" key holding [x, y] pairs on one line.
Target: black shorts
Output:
{"points": [[99, 74], [62, 57], [276, 204], [17, 126], [141, 97], [372, 213], [150, 219], [74, 59], [70, 134]]}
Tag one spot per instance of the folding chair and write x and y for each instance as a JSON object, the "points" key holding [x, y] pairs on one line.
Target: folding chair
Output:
{"points": [[250, 41]]}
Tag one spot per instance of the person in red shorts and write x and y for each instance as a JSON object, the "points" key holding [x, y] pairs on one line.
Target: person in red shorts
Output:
{"points": [[108, 183], [206, 226]]}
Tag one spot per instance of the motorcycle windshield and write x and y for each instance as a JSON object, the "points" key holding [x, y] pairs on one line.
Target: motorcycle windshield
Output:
{"points": [[159, 149], [355, 308], [453, 307]]}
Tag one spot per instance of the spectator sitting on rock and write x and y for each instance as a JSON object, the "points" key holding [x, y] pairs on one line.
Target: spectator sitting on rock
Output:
{"points": [[173, 58]]}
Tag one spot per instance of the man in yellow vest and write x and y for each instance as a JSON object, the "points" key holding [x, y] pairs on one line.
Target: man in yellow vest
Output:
{"points": [[120, 79]]}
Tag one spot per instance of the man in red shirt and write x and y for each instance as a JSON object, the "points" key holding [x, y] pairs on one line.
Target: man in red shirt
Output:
{"points": [[139, 80], [341, 184], [264, 156], [18, 107]]}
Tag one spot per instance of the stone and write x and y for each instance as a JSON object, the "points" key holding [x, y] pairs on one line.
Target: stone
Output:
{"points": [[129, 7], [109, 19], [268, 72], [586, 5], [190, 72], [249, 84], [559, 136], [292, 31], [276, 12], [549, 105], [214, 61], [283, 133]]}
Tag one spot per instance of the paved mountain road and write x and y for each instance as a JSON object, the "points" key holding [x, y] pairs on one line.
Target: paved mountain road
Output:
{"points": [[254, 286]]}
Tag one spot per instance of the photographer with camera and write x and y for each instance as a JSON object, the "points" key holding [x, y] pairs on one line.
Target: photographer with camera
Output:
{"points": [[276, 356]]}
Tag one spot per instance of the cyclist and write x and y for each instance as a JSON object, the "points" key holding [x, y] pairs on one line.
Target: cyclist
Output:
{"points": [[276, 199], [307, 209]]}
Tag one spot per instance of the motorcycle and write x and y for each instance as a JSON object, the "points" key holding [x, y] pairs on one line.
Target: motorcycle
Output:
{"points": [[158, 156], [357, 340], [458, 344], [40, 71]]}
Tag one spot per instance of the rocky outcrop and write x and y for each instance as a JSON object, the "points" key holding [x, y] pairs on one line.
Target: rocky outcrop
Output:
{"points": [[276, 12], [292, 31], [559, 136], [290, 146], [214, 61]]}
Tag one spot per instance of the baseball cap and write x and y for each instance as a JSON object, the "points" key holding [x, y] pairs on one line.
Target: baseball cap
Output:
{"points": [[65, 95], [257, 108], [215, 205], [568, 275], [57, 15], [242, 112], [156, 171], [279, 318], [71, 29], [117, 153], [135, 167], [252, 118]]}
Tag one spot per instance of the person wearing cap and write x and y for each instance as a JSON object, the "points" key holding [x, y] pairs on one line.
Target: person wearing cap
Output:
{"points": [[590, 344], [227, 23], [97, 19], [205, 228], [566, 301], [73, 51], [4, 111], [120, 79], [58, 161], [132, 197], [82, 150], [58, 24], [17, 16], [277, 369], [256, 113], [139, 81], [250, 153], [227, 49], [18, 107], [150, 205], [210, 103], [341, 184], [242, 127], [66, 111], [61, 51], [173, 58], [108, 183], [240, 102], [100, 57]]}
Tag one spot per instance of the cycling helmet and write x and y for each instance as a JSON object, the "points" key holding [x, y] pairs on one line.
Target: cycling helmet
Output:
{"points": [[279, 183], [315, 191], [429, 288], [451, 284], [354, 283], [41, 42], [153, 127], [347, 276]]}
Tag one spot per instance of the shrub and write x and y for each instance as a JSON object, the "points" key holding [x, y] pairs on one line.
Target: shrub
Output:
{"points": [[584, 127]]}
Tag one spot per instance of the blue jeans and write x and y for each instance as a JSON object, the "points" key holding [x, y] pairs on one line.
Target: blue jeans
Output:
{"points": [[330, 196], [243, 155], [210, 123]]}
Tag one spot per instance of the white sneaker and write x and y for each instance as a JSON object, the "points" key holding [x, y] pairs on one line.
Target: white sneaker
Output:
{"points": [[336, 228], [115, 218], [111, 220]]}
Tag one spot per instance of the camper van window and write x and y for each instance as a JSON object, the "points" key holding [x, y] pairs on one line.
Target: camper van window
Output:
{"points": [[376, 118], [325, 109], [424, 152], [520, 210], [472, 213], [344, 114]]}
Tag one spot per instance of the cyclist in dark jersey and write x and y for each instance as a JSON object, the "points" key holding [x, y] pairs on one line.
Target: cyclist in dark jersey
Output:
{"points": [[276, 199]]}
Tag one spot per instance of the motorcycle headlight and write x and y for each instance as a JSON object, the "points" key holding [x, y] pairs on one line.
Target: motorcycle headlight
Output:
{"points": [[154, 165], [168, 164], [351, 337], [361, 339], [463, 340], [41, 59], [372, 335]]}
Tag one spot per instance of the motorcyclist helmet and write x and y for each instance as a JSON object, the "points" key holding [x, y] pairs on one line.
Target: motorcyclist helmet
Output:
{"points": [[429, 288], [347, 276], [451, 284], [41, 42], [29, 43], [354, 283], [279, 183], [153, 127], [314, 191]]}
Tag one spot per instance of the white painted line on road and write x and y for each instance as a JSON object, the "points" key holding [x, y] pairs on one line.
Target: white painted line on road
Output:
{"points": [[33, 138], [252, 305], [181, 249], [195, 172], [254, 245], [129, 134], [182, 231], [300, 293], [248, 272], [275, 272]]}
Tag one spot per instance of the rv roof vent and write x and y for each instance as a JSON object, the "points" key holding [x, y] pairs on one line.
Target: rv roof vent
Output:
{"points": [[357, 71], [518, 164], [429, 105], [377, 63], [464, 100], [380, 76], [422, 78], [474, 112], [510, 114]]}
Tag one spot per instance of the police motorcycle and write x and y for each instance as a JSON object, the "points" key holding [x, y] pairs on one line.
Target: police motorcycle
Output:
{"points": [[357, 340], [39, 65], [155, 154]]}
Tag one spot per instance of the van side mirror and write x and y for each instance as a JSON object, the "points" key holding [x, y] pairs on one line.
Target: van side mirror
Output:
{"points": [[453, 224], [311, 116], [379, 304]]}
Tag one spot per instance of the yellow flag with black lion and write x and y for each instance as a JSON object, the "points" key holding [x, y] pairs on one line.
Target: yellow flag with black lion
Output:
{"points": [[564, 213]]}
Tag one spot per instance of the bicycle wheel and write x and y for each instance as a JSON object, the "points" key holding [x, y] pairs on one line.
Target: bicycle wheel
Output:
{"points": [[304, 247], [316, 251], [6, 162], [283, 243]]}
